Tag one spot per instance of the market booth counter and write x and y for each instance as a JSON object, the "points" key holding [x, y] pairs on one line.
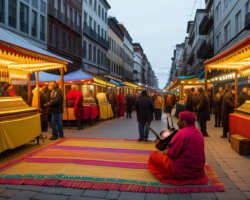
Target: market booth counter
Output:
{"points": [[19, 122], [235, 59]]}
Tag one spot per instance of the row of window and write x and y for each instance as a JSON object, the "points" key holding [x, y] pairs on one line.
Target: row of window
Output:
{"points": [[115, 68], [61, 40], [94, 26], [24, 17], [128, 60], [94, 55], [115, 48], [101, 12]]}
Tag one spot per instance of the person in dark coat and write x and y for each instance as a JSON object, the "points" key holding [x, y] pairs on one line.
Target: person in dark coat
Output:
{"points": [[56, 108], [217, 109], [243, 96], [144, 107], [227, 108], [203, 111], [130, 103], [191, 102]]}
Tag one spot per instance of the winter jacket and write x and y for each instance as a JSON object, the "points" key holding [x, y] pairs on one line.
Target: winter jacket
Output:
{"points": [[191, 103], [203, 108], [56, 101], [242, 98], [144, 107]]}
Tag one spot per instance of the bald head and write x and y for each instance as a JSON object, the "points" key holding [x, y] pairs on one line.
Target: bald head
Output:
{"points": [[244, 89]]}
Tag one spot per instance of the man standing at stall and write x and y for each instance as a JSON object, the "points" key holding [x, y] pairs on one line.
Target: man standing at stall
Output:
{"points": [[144, 107], [243, 96], [191, 103], [56, 108]]}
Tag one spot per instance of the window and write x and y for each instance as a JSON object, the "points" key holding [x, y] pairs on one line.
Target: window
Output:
{"points": [[85, 17], [227, 33], [2, 11], [94, 54], [59, 6], [34, 24], [12, 13], [98, 29], [95, 26], [65, 11], [225, 3], [105, 36], [106, 18], [79, 20], [64, 40], [50, 35], [43, 7], [90, 21], [246, 7], [42, 28], [74, 46], [24, 18], [69, 41], [217, 13], [84, 49], [103, 14], [95, 5], [238, 23], [218, 42], [90, 52], [35, 4], [99, 10], [102, 32], [98, 56], [56, 37], [90, 2], [101, 58]]}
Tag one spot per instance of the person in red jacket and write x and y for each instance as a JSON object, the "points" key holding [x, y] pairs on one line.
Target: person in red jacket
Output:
{"points": [[78, 107], [185, 160]]}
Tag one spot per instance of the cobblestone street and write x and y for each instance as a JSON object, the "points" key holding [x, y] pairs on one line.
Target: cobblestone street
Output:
{"points": [[231, 168]]}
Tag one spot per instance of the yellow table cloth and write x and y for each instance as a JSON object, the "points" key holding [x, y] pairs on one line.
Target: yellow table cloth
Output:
{"points": [[17, 132], [105, 111]]}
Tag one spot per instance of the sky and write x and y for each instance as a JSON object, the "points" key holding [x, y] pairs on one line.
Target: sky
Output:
{"points": [[158, 26]]}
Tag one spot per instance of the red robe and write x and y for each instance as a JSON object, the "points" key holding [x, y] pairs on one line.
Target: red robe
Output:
{"points": [[120, 105], [185, 159], [70, 95], [78, 107]]}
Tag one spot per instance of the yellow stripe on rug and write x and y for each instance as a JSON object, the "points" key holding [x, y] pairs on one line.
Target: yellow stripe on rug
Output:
{"points": [[81, 170]]}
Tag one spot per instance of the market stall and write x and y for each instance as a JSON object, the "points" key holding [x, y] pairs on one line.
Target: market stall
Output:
{"points": [[20, 123], [236, 60], [184, 82]]}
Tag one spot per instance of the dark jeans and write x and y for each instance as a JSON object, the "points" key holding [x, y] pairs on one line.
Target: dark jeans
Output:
{"points": [[203, 125], [216, 120], [143, 130], [128, 115], [56, 124]]}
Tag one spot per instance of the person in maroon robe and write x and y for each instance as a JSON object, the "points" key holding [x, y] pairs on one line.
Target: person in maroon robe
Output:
{"points": [[78, 106], [184, 161], [120, 105]]}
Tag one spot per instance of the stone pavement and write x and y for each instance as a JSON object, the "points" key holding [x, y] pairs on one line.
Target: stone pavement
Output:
{"points": [[233, 170]]}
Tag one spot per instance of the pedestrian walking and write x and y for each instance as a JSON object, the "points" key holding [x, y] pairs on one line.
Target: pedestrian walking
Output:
{"points": [[169, 104], [56, 108], [203, 111], [129, 104], [227, 108], [145, 108], [217, 109], [158, 107]]}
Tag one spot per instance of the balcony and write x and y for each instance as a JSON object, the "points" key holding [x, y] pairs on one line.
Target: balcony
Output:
{"points": [[64, 19], [191, 40], [205, 25], [206, 50], [247, 21], [92, 34]]}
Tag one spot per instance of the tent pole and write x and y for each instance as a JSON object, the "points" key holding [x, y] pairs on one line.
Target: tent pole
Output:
{"points": [[29, 88], [37, 87], [205, 79], [62, 82], [236, 88]]}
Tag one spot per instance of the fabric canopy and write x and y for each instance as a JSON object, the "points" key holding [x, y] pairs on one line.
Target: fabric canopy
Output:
{"points": [[15, 40], [201, 74], [77, 76], [46, 77], [114, 82], [122, 84]]}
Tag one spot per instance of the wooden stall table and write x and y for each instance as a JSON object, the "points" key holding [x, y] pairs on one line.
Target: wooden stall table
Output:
{"points": [[106, 111], [239, 125]]}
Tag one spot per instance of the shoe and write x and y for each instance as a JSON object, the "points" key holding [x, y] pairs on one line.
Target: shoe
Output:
{"points": [[140, 139], [53, 138], [222, 136], [62, 136], [206, 135], [145, 139]]}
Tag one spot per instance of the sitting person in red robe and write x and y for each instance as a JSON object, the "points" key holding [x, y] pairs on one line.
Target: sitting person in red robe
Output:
{"points": [[185, 158]]}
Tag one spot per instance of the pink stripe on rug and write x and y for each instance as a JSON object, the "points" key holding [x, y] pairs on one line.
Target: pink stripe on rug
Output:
{"points": [[89, 162]]}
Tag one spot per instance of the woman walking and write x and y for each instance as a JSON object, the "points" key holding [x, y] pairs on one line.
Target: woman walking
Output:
{"points": [[158, 107]]}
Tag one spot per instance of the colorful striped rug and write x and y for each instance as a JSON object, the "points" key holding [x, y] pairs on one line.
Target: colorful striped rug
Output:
{"points": [[98, 164]]}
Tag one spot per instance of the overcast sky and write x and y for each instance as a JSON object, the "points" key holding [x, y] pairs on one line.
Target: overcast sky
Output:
{"points": [[158, 26]]}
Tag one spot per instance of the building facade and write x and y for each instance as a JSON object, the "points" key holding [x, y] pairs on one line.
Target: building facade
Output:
{"points": [[127, 70], [95, 36], [116, 49], [26, 18], [138, 57], [65, 30]]}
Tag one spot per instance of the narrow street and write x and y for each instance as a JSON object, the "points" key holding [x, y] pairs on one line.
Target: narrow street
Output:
{"points": [[231, 168]]}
